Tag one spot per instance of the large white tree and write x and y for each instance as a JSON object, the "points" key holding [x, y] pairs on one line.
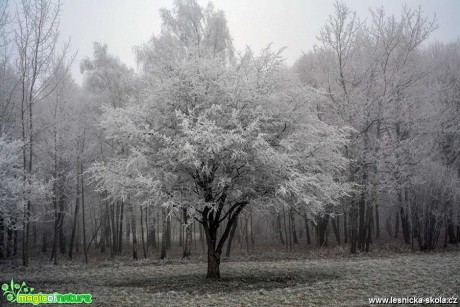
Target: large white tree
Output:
{"points": [[215, 134]]}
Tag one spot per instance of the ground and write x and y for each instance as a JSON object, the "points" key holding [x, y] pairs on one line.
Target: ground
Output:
{"points": [[332, 279]]}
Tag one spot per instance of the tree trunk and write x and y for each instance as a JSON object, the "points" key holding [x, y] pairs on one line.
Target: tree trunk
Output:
{"points": [[181, 233], [362, 234], [252, 229], [120, 228], [377, 221], [286, 231], [335, 228], [194, 234], [82, 185], [44, 247], [151, 234], [307, 231], [294, 233], [322, 228], [2, 236], [9, 241], [56, 226], [102, 240], [458, 228], [446, 234], [353, 228], [213, 264], [450, 229], [75, 216], [246, 233], [345, 228], [34, 230], [62, 247], [188, 236], [142, 232], [369, 223], [15, 241], [168, 232], [405, 225], [133, 230], [164, 235], [128, 227], [114, 232]]}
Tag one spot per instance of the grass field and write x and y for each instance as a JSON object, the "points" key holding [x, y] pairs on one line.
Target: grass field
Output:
{"points": [[264, 280]]}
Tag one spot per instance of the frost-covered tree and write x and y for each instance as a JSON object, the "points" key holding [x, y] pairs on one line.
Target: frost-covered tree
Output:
{"points": [[372, 74], [36, 41], [108, 82], [15, 191], [215, 135]]}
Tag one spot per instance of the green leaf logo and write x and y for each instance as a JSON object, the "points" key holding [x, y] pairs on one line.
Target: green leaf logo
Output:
{"points": [[12, 290]]}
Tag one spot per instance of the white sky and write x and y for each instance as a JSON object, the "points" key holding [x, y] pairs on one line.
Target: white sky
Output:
{"points": [[122, 24]]}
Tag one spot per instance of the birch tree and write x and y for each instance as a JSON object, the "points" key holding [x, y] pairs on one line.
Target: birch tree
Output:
{"points": [[36, 38]]}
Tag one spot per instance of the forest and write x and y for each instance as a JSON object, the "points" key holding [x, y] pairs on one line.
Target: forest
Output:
{"points": [[207, 155]]}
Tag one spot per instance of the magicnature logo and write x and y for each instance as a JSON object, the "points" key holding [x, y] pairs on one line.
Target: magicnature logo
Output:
{"points": [[22, 294]]}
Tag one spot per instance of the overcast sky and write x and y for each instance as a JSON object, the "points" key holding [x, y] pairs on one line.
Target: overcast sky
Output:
{"points": [[122, 24]]}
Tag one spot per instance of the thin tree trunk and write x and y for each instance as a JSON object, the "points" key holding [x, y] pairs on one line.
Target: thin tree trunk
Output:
{"points": [[82, 185], [353, 228], [335, 228], [188, 236], [114, 232], [252, 229], [2, 236], [194, 235], [44, 247], [307, 231], [120, 228], [458, 228], [370, 216], [164, 235], [323, 221], [294, 233], [62, 247], [246, 233], [9, 242], [56, 223], [168, 232], [289, 231], [142, 232], [450, 227], [362, 232], [345, 228], [181, 233], [377, 221], [34, 230], [151, 234], [446, 234], [133, 230], [15, 240], [24, 160], [102, 241]]}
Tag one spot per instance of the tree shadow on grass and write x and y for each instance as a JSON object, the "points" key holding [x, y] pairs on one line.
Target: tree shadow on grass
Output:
{"points": [[195, 283]]}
